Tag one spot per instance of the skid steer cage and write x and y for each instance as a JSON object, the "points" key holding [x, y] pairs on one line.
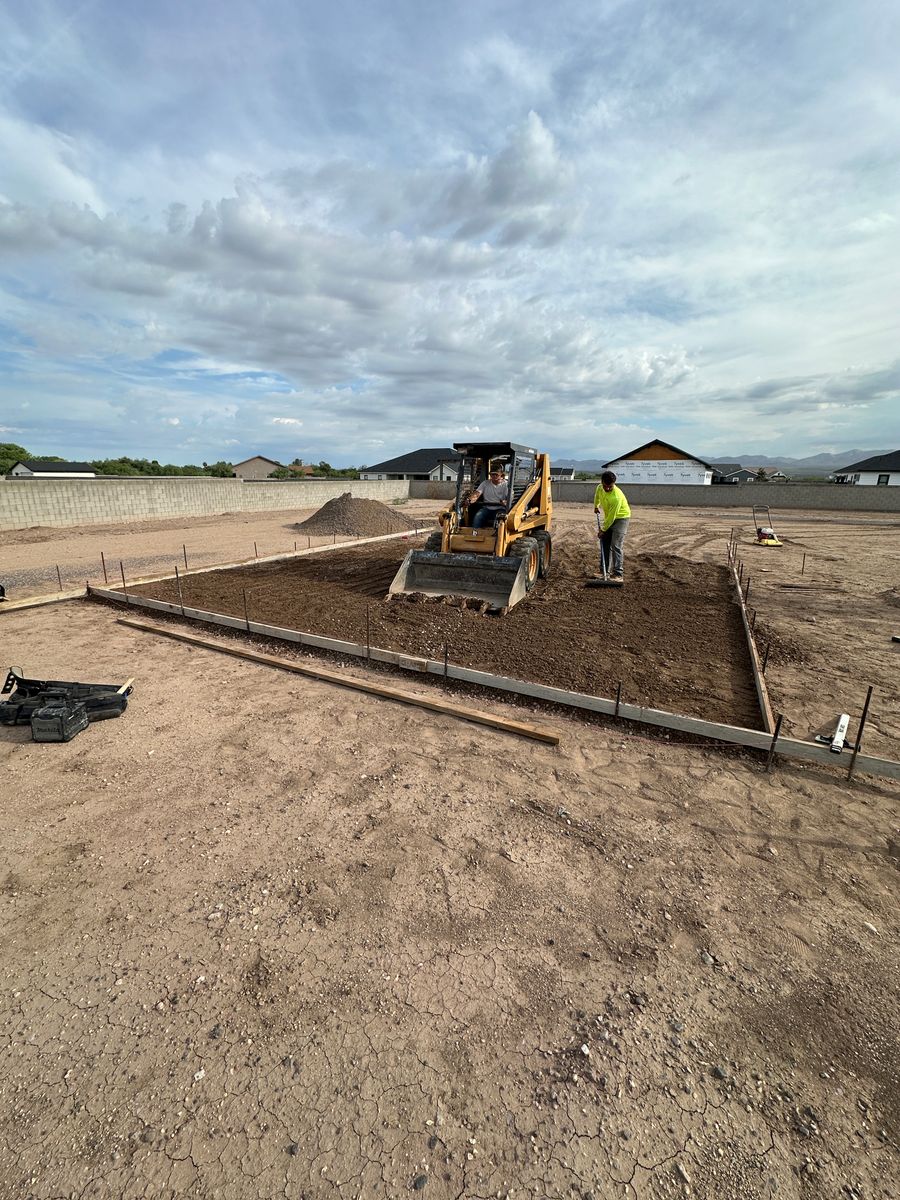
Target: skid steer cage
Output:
{"points": [[500, 582]]}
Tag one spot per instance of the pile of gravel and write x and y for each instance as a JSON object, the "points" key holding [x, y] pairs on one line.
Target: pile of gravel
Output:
{"points": [[355, 518]]}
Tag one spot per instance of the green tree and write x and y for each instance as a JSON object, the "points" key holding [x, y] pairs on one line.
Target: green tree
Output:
{"points": [[761, 475], [10, 454]]}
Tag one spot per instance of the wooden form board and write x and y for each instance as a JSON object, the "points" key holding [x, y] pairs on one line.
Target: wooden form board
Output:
{"points": [[536, 733], [753, 739], [11, 606], [759, 680], [266, 558]]}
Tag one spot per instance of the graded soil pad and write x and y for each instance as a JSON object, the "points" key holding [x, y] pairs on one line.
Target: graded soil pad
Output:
{"points": [[672, 636], [354, 517]]}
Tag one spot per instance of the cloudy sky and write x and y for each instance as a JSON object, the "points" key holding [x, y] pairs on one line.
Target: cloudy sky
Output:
{"points": [[346, 230]]}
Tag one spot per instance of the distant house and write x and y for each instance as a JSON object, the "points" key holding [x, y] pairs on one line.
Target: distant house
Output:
{"points": [[257, 467], [433, 463], [881, 470], [37, 468], [561, 472], [660, 462], [732, 473]]}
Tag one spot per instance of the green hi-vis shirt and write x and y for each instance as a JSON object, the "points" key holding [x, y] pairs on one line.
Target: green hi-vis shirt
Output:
{"points": [[613, 503]]}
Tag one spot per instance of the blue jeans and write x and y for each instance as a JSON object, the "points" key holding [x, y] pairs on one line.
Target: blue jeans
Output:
{"points": [[485, 517], [611, 545]]}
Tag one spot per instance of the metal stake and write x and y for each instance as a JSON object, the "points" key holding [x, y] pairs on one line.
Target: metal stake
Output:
{"points": [[741, 573], [771, 758], [184, 548], [618, 696], [246, 616], [859, 732], [255, 551], [803, 564], [58, 577], [747, 593], [445, 660], [124, 585], [178, 584], [752, 619], [766, 658], [368, 651], [103, 563]]}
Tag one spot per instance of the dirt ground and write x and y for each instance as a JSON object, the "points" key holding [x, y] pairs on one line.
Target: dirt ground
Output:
{"points": [[673, 637], [263, 937]]}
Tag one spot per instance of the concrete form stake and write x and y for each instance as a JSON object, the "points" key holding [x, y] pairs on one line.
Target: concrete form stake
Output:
{"points": [[741, 573], [124, 585], [246, 617], [103, 564], [859, 732], [771, 759], [803, 564], [752, 619], [766, 658], [445, 660], [747, 593], [178, 584], [368, 646], [618, 696], [58, 577], [184, 548]]}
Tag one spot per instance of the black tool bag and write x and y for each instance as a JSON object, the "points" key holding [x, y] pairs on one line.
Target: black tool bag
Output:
{"points": [[58, 720]]}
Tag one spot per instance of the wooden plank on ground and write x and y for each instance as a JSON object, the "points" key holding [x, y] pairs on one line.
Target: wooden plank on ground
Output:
{"points": [[505, 725], [759, 680]]}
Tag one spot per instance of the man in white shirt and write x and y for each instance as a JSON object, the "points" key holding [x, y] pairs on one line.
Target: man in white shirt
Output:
{"points": [[493, 493]]}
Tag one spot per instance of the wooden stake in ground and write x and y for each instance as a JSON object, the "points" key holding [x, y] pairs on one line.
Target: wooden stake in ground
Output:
{"points": [[537, 733]]}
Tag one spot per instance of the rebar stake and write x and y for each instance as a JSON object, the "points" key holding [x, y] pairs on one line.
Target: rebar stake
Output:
{"points": [[58, 577], [368, 649], [255, 551], [103, 564], [859, 732], [184, 548], [124, 584], [445, 660], [770, 760], [246, 615], [618, 696], [766, 658], [178, 585], [803, 564]]}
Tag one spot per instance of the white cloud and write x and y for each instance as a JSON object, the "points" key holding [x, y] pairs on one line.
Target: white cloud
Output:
{"points": [[286, 421]]}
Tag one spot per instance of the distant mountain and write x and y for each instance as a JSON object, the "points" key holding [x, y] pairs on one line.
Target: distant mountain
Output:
{"points": [[815, 464]]}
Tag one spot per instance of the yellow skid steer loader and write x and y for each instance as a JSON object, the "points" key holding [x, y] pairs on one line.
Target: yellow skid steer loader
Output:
{"points": [[496, 557]]}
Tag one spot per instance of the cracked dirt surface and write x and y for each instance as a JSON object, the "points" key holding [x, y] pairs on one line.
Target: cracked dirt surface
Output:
{"points": [[263, 937]]}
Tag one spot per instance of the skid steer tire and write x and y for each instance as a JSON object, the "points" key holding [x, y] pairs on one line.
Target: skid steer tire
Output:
{"points": [[529, 549], [434, 541], [545, 544]]}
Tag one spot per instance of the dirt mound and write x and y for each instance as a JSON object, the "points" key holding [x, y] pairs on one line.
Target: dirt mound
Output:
{"points": [[355, 517]]}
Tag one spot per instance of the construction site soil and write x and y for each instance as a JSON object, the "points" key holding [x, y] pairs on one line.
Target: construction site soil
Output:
{"points": [[355, 518], [672, 636]]}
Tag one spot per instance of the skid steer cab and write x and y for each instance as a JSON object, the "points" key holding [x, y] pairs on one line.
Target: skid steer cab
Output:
{"points": [[494, 540]]}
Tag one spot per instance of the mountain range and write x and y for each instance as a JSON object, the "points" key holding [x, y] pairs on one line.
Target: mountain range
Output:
{"points": [[815, 464]]}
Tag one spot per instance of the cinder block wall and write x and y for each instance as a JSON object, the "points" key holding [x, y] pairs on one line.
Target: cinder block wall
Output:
{"points": [[779, 496], [59, 502]]}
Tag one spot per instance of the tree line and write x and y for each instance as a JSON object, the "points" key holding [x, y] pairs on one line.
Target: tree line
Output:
{"points": [[10, 454]]}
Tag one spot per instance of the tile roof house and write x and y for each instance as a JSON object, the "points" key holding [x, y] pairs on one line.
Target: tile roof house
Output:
{"points": [[881, 470], [432, 463], [39, 468], [258, 467]]}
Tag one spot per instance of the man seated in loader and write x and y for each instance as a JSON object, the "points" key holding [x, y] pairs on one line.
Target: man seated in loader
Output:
{"points": [[493, 495]]}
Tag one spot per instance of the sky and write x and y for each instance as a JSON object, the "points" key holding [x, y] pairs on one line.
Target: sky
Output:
{"points": [[343, 231]]}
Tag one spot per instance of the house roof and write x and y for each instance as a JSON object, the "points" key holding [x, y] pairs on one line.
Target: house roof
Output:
{"points": [[878, 462], [43, 465], [417, 462], [659, 442], [726, 468], [255, 458]]}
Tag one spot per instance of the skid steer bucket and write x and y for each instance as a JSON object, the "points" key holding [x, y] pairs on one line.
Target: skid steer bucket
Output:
{"points": [[498, 581]]}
